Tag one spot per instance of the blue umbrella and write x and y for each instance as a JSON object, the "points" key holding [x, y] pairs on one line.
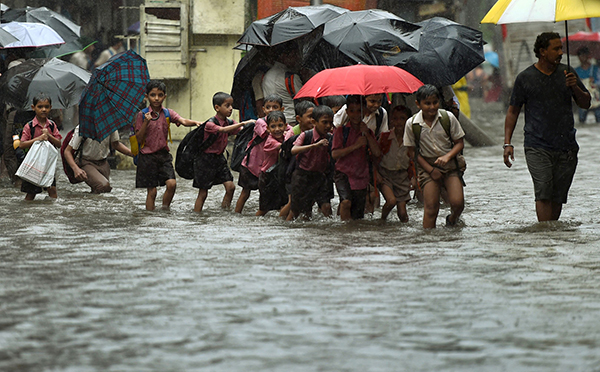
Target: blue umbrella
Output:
{"points": [[492, 58], [113, 95]]}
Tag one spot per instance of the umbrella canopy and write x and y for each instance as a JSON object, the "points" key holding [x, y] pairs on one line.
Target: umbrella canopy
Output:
{"points": [[66, 28], [518, 11], [289, 24], [359, 79], [6, 38], [371, 36], [447, 52], [590, 40], [113, 95], [3, 8], [62, 81], [31, 35]]}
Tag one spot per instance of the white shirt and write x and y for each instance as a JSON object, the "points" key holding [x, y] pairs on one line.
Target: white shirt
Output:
{"points": [[92, 149], [434, 141], [341, 118], [397, 157], [274, 83]]}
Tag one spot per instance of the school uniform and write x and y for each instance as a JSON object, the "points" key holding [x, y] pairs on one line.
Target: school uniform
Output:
{"points": [[270, 185], [27, 135], [250, 170], [393, 169]]}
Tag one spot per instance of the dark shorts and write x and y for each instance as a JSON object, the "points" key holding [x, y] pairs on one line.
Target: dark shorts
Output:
{"points": [[247, 180], [272, 192], [154, 169], [358, 198], [309, 187], [210, 170], [552, 172], [30, 188]]}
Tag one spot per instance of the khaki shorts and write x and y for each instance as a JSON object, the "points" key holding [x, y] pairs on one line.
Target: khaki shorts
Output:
{"points": [[398, 181], [448, 170]]}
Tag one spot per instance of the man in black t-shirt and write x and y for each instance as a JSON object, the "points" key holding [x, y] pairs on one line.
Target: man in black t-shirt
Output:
{"points": [[546, 89]]}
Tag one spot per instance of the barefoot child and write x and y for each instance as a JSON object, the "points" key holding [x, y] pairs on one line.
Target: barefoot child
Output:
{"points": [[155, 162], [250, 170], [436, 152], [350, 143], [210, 165], [40, 129]]}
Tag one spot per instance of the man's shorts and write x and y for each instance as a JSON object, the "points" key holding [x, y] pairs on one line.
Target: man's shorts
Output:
{"points": [[272, 193], [30, 188], [307, 188], [210, 170], [398, 181], [247, 180], [154, 169], [552, 172], [358, 198]]}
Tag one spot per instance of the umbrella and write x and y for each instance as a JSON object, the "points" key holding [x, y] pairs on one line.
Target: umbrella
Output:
{"points": [[31, 35], [66, 28], [62, 81], [3, 7], [289, 24], [67, 48], [581, 39], [492, 58], [359, 79], [371, 36], [113, 95], [447, 52], [519, 11], [134, 28], [6, 38]]}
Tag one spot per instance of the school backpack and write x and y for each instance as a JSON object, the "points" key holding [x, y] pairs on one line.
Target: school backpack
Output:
{"points": [[291, 162], [78, 152], [242, 146], [192, 144]]}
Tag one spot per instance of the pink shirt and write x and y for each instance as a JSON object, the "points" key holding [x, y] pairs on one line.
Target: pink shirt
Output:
{"points": [[315, 159], [218, 147], [257, 154], [157, 131], [26, 135], [355, 165], [272, 147]]}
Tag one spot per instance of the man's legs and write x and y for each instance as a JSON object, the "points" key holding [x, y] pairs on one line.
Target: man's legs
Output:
{"points": [[582, 115], [547, 210]]}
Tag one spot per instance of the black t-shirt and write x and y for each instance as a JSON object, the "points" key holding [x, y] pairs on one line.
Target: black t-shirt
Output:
{"points": [[548, 104]]}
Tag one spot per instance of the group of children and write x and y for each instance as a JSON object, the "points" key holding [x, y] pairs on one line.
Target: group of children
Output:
{"points": [[351, 145]]}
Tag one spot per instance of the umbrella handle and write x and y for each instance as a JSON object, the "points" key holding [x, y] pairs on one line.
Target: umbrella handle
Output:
{"points": [[567, 40]]}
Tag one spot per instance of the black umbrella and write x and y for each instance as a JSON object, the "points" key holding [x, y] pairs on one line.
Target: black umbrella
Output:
{"points": [[289, 24], [256, 60], [447, 52], [66, 28], [62, 81], [371, 36]]}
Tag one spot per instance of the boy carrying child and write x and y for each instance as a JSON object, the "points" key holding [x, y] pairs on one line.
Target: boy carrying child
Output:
{"points": [[155, 162], [436, 155], [350, 144], [210, 165], [44, 129], [310, 183]]}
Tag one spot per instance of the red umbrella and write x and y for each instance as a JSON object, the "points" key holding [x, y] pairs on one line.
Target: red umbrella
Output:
{"points": [[591, 40], [359, 79]]}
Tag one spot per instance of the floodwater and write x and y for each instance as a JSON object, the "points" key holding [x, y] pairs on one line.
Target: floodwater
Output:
{"points": [[96, 283]]}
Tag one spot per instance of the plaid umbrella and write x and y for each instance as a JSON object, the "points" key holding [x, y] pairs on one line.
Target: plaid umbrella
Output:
{"points": [[113, 95]]}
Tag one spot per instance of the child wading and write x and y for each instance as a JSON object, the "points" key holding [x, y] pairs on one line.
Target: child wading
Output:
{"points": [[155, 163], [438, 149]]}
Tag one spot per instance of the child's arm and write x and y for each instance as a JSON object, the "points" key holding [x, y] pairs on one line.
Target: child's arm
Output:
{"points": [[300, 149], [79, 173], [117, 145], [141, 133], [459, 144], [234, 127], [188, 122], [372, 142], [433, 171], [340, 153], [53, 140]]}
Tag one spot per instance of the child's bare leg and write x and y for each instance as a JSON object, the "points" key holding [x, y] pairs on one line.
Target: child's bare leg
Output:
{"points": [[326, 209], [286, 209], [150, 198], [244, 195], [202, 194], [431, 198], [346, 210], [229, 190], [29, 196], [52, 192], [455, 198], [402, 213], [169, 193], [372, 199], [261, 213], [390, 201]]}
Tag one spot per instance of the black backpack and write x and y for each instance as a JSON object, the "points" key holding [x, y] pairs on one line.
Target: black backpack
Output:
{"points": [[240, 146], [192, 144]]}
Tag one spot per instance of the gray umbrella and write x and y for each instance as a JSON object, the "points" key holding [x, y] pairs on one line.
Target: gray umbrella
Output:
{"points": [[6, 38], [62, 81], [3, 7], [66, 28]]}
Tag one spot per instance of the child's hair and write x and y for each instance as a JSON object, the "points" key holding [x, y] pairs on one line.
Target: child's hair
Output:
{"points": [[275, 116], [425, 91], [40, 97], [301, 107], [403, 109], [274, 98], [320, 111], [334, 101], [354, 100], [220, 97], [158, 84], [543, 41]]}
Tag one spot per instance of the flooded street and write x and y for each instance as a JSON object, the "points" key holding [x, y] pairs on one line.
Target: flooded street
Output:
{"points": [[96, 283]]}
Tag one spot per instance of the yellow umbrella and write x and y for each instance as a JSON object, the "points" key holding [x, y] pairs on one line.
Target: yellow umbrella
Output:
{"points": [[520, 11]]}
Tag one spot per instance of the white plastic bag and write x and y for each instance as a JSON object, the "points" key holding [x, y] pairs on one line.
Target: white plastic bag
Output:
{"points": [[39, 165]]}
